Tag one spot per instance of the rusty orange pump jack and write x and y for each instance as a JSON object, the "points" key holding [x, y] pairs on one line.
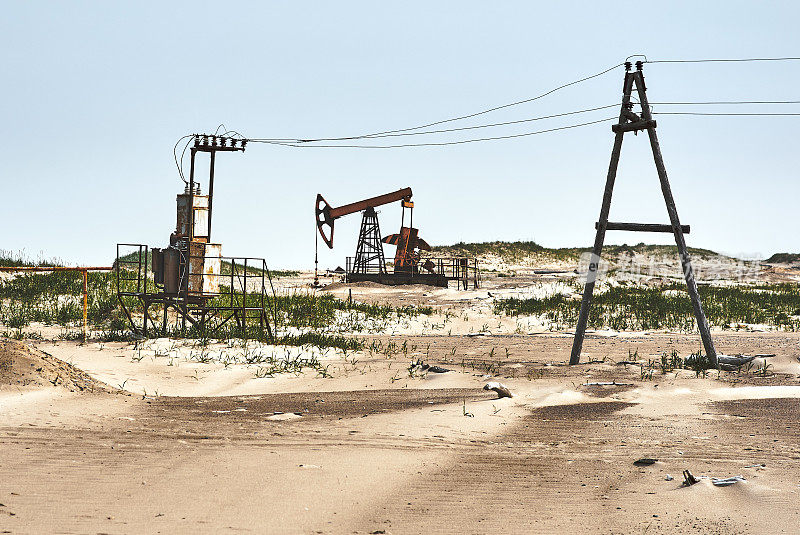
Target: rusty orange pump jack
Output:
{"points": [[369, 260]]}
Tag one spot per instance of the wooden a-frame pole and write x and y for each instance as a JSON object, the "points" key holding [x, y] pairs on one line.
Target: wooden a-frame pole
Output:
{"points": [[630, 122]]}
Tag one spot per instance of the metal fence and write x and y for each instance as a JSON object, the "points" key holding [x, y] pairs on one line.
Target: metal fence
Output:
{"points": [[233, 293], [435, 271]]}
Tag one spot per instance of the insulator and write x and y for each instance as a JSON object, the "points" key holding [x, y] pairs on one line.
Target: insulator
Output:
{"points": [[639, 65], [244, 142], [205, 139], [627, 66]]}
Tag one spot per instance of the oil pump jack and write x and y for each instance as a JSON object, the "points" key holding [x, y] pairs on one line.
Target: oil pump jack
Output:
{"points": [[369, 263], [369, 258]]}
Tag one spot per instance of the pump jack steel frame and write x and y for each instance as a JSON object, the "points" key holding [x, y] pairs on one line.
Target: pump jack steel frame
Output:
{"points": [[630, 122], [369, 251]]}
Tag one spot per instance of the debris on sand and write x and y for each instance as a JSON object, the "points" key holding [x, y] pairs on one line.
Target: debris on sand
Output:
{"points": [[501, 389], [726, 482], [733, 363], [645, 461], [668, 478], [280, 416], [428, 368], [688, 479]]}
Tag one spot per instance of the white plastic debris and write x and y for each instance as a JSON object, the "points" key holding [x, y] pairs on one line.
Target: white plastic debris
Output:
{"points": [[726, 482]]}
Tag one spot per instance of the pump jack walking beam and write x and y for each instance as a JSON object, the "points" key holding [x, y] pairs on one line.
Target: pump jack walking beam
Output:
{"points": [[326, 214], [630, 122]]}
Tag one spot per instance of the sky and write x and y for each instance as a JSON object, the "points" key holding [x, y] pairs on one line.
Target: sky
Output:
{"points": [[95, 95]]}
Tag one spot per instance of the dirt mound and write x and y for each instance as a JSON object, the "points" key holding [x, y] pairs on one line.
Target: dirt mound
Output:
{"points": [[783, 258], [21, 365], [353, 285]]}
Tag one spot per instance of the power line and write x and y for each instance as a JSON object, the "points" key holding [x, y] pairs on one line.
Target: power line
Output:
{"points": [[297, 142], [729, 102], [304, 145], [506, 123], [559, 115], [475, 127], [724, 113], [495, 124], [175, 155], [720, 60], [468, 116]]}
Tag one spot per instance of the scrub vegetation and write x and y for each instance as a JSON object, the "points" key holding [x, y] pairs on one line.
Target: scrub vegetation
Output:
{"points": [[668, 307]]}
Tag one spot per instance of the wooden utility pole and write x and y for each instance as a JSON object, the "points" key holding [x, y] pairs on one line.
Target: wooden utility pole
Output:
{"points": [[631, 122]]}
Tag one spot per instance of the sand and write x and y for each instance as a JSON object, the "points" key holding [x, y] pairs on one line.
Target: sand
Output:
{"points": [[167, 436]]}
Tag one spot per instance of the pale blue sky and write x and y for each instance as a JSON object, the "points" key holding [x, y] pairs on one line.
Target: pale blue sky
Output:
{"points": [[95, 94]]}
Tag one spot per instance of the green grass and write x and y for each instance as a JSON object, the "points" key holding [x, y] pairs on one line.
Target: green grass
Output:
{"points": [[512, 251], [225, 268], [57, 298], [279, 273], [506, 250], [783, 258], [20, 259], [322, 340], [638, 308], [319, 311]]}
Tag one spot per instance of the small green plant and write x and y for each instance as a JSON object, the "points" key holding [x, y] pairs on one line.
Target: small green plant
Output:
{"points": [[533, 373], [646, 374], [699, 363], [670, 362]]}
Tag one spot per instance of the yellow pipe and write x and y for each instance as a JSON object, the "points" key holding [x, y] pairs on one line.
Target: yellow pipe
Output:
{"points": [[84, 270]]}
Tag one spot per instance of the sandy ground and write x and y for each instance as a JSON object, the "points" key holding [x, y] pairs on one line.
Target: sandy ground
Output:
{"points": [[169, 436], [378, 449]]}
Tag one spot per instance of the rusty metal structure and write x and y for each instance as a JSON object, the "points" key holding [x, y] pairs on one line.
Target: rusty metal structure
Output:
{"points": [[631, 122], [369, 262], [190, 276]]}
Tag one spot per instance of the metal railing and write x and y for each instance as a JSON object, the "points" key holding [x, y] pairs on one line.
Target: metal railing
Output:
{"points": [[438, 271], [237, 291]]}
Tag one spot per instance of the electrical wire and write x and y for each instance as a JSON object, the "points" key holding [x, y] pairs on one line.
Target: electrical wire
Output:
{"points": [[183, 155], [724, 113], [459, 118], [475, 127], [496, 124], [729, 102], [460, 142], [411, 131], [175, 155], [491, 125], [721, 60], [298, 141]]}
